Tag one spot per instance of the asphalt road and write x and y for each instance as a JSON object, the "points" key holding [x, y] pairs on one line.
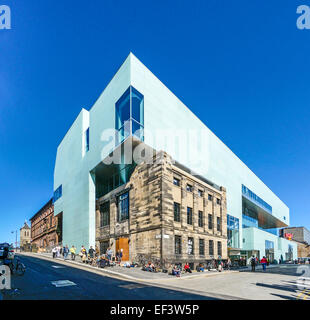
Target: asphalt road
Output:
{"points": [[36, 284]]}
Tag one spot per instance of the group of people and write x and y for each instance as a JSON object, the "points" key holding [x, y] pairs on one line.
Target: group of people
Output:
{"points": [[254, 262], [87, 256]]}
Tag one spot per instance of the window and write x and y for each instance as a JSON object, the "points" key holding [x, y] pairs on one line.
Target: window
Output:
{"points": [[87, 140], [218, 201], [129, 115], [211, 251], [177, 212], [177, 244], [57, 193], [210, 224], [189, 215], [189, 188], [200, 193], [105, 214], [219, 248], [209, 197], [201, 247], [200, 219], [123, 207], [104, 245], [218, 223], [190, 246], [51, 221], [176, 182]]}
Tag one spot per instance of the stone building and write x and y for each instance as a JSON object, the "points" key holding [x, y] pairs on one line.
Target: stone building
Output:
{"points": [[303, 250], [25, 235], [46, 229], [299, 234], [166, 213]]}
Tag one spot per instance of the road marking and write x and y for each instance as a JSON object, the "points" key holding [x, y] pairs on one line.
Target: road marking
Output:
{"points": [[57, 267], [132, 286], [63, 283]]}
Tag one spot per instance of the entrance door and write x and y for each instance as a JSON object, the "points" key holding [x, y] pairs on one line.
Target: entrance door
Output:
{"points": [[122, 243]]}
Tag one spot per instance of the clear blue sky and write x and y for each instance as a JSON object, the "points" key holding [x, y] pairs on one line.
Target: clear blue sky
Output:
{"points": [[241, 66]]}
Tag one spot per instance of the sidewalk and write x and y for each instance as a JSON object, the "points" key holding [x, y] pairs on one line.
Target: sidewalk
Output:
{"points": [[133, 274]]}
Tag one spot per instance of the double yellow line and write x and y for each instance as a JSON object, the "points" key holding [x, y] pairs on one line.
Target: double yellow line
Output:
{"points": [[305, 294]]}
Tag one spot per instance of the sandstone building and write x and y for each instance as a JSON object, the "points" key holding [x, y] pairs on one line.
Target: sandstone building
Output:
{"points": [[164, 212], [25, 235], [45, 227]]}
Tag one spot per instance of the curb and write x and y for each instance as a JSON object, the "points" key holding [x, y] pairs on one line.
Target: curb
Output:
{"points": [[150, 282], [120, 275]]}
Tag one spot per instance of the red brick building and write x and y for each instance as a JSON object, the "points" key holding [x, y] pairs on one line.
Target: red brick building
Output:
{"points": [[46, 229]]}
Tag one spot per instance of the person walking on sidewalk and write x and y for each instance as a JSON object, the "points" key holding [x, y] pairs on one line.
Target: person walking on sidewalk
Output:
{"points": [[66, 252], [54, 252], [264, 263], [253, 263], [91, 252], [73, 253], [109, 254]]}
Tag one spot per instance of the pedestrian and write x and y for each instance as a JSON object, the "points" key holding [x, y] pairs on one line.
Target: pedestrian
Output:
{"points": [[65, 252], [109, 253], [187, 268], [91, 252], [54, 252], [228, 264], [264, 263], [97, 251], [121, 256], [73, 253], [253, 263]]}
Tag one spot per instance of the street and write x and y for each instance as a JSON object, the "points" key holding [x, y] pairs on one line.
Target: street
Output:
{"points": [[36, 284], [53, 280]]}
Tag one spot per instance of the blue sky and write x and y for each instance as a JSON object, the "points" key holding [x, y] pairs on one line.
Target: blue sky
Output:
{"points": [[242, 67]]}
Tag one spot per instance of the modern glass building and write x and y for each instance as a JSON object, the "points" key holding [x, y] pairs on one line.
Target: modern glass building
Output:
{"points": [[137, 106]]}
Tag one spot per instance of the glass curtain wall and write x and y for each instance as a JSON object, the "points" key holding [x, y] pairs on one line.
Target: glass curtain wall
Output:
{"points": [[232, 232]]}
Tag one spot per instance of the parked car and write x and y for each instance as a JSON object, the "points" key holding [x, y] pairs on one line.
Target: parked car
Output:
{"points": [[10, 249]]}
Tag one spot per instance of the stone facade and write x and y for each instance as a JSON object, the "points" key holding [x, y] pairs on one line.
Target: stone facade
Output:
{"points": [[151, 230], [45, 227], [25, 235], [299, 234]]}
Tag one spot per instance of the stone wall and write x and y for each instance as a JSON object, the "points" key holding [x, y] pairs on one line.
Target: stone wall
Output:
{"points": [[151, 228]]}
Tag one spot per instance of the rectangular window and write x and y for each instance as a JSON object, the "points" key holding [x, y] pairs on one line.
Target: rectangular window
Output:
{"points": [[210, 224], [189, 215], [200, 219], [189, 188], [218, 223], [200, 193], [209, 197], [218, 201], [87, 140], [104, 245], [105, 214], [190, 246], [177, 217], [219, 248], [201, 247], [211, 251], [177, 244], [129, 115], [123, 207], [176, 182], [57, 193]]}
